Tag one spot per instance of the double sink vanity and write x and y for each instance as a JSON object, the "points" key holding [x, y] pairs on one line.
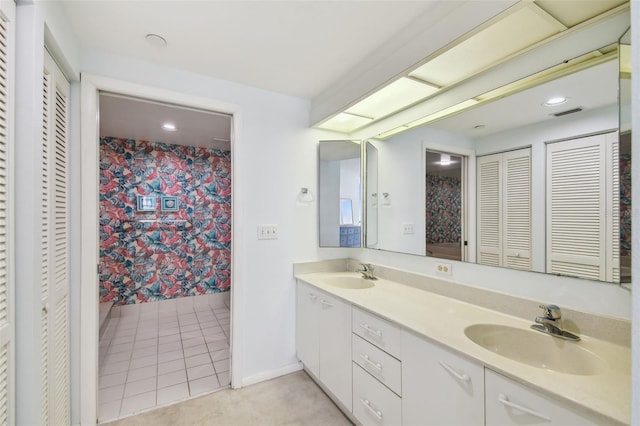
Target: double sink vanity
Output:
{"points": [[389, 350]]}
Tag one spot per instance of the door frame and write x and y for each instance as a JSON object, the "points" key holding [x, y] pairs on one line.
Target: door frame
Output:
{"points": [[91, 85]]}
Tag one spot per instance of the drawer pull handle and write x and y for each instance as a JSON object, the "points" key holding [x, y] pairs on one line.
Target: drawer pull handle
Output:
{"points": [[325, 303], [370, 330], [312, 296], [505, 400], [375, 365], [462, 377], [373, 411]]}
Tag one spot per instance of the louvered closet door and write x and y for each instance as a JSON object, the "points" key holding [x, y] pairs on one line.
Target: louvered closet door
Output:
{"points": [[489, 212], [516, 209], [613, 231], [576, 207], [7, 333], [55, 402]]}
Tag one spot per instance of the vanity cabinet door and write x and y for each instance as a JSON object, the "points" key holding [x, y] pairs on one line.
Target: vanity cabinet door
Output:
{"points": [[510, 403], [323, 339], [307, 327], [335, 347], [439, 387]]}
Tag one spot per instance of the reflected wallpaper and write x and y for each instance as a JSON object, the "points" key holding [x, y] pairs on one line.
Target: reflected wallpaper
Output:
{"points": [[443, 209]]}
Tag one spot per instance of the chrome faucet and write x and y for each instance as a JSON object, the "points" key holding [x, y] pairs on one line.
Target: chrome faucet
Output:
{"points": [[551, 323], [367, 271]]}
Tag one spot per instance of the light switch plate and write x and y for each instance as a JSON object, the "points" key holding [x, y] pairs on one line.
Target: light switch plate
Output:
{"points": [[407, 229], [268, 232]]}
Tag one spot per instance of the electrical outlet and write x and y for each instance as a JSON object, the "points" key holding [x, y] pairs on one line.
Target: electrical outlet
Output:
{"points": [[443, 268], [268, 232], [407, 228]]}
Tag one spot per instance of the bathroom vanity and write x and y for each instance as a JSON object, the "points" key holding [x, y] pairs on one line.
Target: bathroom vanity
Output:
{"points": [[389, 353]]}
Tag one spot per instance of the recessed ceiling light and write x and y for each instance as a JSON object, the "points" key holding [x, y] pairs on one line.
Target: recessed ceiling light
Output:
{"points": [[155, 40], [445, 159], [169, 127], [558, 100]]}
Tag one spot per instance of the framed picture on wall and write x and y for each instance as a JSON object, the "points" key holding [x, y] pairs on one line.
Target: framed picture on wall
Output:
{"points": [[169, 204], [146, 203]]}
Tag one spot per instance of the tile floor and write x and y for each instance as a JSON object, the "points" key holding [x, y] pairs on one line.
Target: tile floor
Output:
{"points": [[157, 353]]}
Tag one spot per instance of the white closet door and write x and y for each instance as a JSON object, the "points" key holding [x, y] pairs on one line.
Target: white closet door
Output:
{"points": [[489, 201], [7, 330], [55, 402], [516, 209], [576, 207]]}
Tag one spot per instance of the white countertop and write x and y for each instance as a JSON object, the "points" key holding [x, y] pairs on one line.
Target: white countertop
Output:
{"points": [[444, 320]]}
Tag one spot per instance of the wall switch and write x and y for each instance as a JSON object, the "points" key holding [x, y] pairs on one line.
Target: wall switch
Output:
{"points": [[443, 268], [407, 228], [268, 232]]}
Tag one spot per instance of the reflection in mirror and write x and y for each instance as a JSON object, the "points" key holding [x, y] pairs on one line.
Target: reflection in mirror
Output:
{"points": [[444, 208], [624, 99], [339, 194], [524, 122]]}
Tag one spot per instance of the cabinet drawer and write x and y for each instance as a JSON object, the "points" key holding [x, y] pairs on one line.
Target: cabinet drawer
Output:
{"points": [[379, 364], [378, 331], [373, 403]]}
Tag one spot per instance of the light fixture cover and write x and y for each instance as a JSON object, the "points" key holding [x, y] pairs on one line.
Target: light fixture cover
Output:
{"points": [[445, 159], [557, 100], [169, 127], [155, 40]]}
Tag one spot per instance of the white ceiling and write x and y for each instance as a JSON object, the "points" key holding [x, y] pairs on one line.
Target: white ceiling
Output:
{"points": [[295, 47], [142, 120]]}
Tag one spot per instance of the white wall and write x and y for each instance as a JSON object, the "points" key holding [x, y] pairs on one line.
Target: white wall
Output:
{"points": [[329, 205], [350, 187]]}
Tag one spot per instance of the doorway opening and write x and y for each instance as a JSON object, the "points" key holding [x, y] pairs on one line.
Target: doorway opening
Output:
{"points": [[164, 254], [445, 195]]}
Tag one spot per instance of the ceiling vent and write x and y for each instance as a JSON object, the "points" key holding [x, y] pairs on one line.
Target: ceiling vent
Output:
{"points": [[567, 112]]}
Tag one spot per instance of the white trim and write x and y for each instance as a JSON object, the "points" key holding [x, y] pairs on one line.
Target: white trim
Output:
{"points": [[271, 374], [90, 86]]}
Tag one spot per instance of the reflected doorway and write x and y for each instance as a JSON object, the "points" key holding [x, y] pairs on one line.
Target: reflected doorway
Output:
{"points": [[444, 200]]}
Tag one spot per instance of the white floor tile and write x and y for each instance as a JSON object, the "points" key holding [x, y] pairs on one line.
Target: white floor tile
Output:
{"points": [[117, 357], [140, 386], [112, 380], [194, 341], [173, 378], [200, 371], [220, 355], [143, 352], [123, 347], [168, 331], [170, 356], [215, 337], [221, 366], [224, 378], [191, 335], [217, 345], [168, 367], [189, 327], [122, 339], [195, 350], [196, 360], [142, 373], [109, 410], [144, 362], [168, 347], [114, 367], [111, 394], [170, 338], [173, 393], [145, 343], [202, 385], [138, 403]]}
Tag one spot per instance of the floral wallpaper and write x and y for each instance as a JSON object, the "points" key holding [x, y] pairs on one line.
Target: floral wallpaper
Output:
{"points": [[155, 255], [625, 196], [443, 209]]}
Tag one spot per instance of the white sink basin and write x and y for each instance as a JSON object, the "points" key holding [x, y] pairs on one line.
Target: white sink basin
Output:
{"points": [[536, 349], [354, 283]]}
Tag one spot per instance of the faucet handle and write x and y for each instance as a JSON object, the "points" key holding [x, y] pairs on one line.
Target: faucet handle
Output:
{"points": [[366, 267], [551, 311]]}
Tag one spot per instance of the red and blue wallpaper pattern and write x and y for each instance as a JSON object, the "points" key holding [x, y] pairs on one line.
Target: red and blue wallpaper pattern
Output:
{"points": [[154, 255], [443, 209]]}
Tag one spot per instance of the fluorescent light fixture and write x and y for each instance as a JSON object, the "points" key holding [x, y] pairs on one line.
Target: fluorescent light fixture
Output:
{"points": [[392, 98], [169, 127], [392, 132], [345, 122], [444, 113], [445, 159], [156, 40], [557, 100]]}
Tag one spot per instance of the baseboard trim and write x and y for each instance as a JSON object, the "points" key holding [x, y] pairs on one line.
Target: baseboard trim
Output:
{"points": [[271, 374]]}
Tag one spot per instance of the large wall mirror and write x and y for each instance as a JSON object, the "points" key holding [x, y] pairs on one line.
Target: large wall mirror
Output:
{"points": [[537, 179]]}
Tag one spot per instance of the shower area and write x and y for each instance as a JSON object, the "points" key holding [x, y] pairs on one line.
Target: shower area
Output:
{"points": [[165, 254]]}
